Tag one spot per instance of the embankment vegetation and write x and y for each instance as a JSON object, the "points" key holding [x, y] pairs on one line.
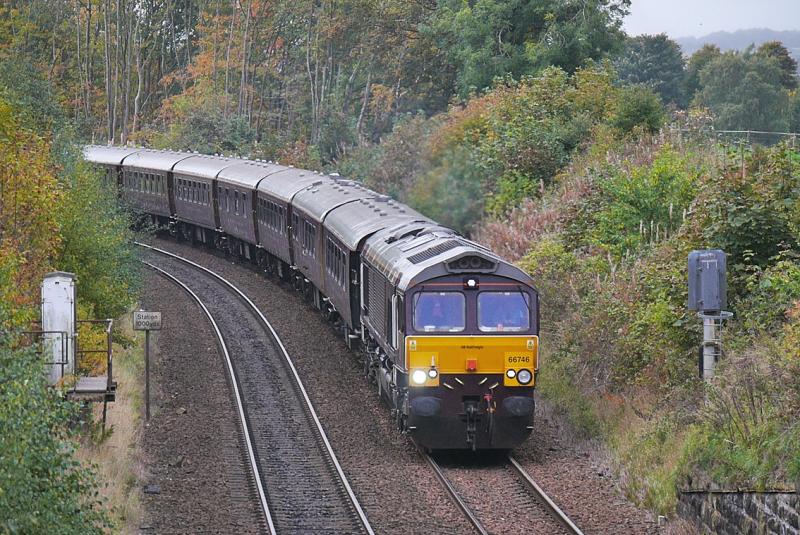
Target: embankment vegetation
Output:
{"points": [[55, 214]]}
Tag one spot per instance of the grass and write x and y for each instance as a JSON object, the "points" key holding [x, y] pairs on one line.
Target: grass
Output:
{"points": [[116, 453]]}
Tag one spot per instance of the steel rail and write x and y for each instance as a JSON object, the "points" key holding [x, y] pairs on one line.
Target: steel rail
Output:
{"points": [[477, 524], [329, 449], [542, 496], [237, 395]]}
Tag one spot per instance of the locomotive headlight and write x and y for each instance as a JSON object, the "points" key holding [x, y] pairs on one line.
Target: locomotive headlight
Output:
{"points": [[419, 377], [511, 374], [433, 373], [524, 377]]}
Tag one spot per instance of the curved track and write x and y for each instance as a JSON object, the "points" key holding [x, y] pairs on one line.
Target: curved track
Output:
{"points": [[489, 491], [299, 480]]}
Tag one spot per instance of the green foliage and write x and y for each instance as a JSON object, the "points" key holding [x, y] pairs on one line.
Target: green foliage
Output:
{"points": [[751, 217], [771, 292], [638, 107], [208, 131], [746, 435], [497, 150], [745, 92], [652, 458], [644, 204], [491, 38], [452, 195], [697, 62], [397, 162], [654, 61], [42, 487], [97, 244], [794, 113], [788, 65]]}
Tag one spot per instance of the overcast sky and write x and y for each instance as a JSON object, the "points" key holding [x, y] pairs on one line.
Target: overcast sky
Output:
{"points": [[683, 18]]}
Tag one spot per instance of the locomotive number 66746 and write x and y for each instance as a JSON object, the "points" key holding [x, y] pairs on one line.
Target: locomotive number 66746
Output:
{"points": [[448, 329]]}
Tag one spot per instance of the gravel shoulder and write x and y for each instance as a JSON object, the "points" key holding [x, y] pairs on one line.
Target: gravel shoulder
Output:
{"points": [[193, 464]]}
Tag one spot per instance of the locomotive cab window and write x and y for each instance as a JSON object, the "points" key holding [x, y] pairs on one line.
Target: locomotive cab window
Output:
{"points": [[439, 312], [504, 311]]}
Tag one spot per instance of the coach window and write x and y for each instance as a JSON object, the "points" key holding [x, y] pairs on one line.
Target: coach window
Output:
{"points": [[439, 312]]}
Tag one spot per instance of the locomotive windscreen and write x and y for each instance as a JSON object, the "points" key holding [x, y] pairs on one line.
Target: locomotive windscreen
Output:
{"points": [[439, 312], [503, 311]]}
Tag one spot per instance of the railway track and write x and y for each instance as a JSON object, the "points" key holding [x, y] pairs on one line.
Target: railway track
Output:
{"points": [[297, 479], [499, 496]]}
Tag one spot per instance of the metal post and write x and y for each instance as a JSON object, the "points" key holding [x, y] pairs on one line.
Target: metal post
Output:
{"points": [[709, 348], [147, 374]]}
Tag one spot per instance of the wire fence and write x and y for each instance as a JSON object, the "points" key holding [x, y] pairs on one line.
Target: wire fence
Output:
{"points": [[747, 137], [758, 137]]}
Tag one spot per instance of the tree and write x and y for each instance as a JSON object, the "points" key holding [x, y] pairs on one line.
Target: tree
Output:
{"points": [[492, 38], [788, 65], [638, 106], [657, 62], [745, 92], [794, 117], [697, 63]]}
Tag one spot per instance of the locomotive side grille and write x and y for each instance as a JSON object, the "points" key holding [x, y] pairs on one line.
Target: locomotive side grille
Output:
{"points": [[433, 251], [377, 301]]}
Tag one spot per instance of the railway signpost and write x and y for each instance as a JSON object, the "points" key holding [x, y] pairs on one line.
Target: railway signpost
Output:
{"points": [[146, 321], [708, 295]]}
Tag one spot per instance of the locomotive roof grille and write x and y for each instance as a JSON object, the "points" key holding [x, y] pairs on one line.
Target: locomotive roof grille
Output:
{"points": [[436, 250]]}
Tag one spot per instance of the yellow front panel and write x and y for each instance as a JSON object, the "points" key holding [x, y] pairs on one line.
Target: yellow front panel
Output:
{"points": [[491, 354]]}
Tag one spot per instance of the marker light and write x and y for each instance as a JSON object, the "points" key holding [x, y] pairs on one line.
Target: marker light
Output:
{"points": [[419, 377], [471, 284], [511, 374], [432, 373], [524, 377]]}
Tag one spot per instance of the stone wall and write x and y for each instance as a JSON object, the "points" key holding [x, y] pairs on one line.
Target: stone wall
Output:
{"points": [[732, 513]]}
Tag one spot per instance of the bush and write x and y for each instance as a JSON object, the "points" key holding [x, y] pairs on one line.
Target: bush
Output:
{"points": [[638, 107], [644, 204], [42, 487], [98, 249]]}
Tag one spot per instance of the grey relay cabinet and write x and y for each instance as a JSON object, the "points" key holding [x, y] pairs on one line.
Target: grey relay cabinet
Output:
{"points": [[708, 286]]}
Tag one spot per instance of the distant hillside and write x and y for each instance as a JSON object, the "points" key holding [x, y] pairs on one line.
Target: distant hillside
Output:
{"points": [[741, 39]]}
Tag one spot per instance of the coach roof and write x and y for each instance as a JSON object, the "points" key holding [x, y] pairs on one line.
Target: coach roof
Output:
{"points": [[203, 166], [354, 221], [320, 198], [159, 160], [107, 155]]}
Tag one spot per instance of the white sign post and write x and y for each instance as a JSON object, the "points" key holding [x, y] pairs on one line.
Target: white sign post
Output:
{"points": [[146, 321]]}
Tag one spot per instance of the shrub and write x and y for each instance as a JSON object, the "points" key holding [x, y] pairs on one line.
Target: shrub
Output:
{"points": [[644, 204], [638, 107], [42, 487]]}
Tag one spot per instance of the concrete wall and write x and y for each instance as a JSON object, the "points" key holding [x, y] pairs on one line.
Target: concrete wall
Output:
{"points": [[732, 513]]}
